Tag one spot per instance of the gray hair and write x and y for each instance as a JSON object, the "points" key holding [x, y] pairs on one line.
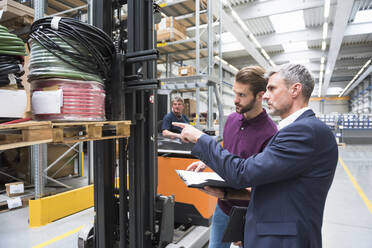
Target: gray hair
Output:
{"points": [[295, 73], [177, 99]]}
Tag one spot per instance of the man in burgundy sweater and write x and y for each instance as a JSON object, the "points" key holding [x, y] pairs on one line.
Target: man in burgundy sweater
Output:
{"points": [[246, 133]]}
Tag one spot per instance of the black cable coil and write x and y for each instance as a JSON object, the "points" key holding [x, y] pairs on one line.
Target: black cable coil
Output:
{"points": [[12, 51], [73, 49], [11, 70]]}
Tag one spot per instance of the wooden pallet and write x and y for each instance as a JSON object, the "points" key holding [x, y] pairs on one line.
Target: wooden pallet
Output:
{"points": [[34, 132], [24, 134], [71, 132], [13, 10], [24, 198]]}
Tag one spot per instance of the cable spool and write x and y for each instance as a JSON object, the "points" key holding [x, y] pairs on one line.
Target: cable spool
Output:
{"points": [[70, 100], [67, 48], [74, 59], [12, 50]]}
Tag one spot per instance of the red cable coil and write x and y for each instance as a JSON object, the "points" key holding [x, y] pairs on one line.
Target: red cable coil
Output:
{"points": [[82, 100]]}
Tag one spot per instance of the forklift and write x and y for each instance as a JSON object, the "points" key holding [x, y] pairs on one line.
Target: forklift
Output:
{"points": [[129, 212]]}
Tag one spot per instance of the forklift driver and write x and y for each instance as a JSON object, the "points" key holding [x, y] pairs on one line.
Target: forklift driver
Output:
{"points": [[176, 115]]}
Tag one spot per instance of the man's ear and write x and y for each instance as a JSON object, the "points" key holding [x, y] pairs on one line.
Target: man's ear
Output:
{"points": [[296, 90], [259, 95]]}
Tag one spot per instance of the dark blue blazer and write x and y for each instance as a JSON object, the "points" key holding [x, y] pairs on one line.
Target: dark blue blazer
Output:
{"points": [[290, 180]]}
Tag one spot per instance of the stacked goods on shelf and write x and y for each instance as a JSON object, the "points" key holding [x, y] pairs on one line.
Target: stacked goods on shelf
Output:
{"points": [[186, 71], [347, 121], [190, 108], [12, 52], [355, 121], [170, 29], [329, 119], [70, 63]]}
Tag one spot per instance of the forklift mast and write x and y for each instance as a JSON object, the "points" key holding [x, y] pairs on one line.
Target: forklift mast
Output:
{"points": [[125, 214]]}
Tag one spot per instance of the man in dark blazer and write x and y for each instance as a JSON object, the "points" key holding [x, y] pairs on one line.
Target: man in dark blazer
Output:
{"points": [[291, 177]]}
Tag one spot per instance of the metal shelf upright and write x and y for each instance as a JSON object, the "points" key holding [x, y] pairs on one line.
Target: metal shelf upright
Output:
{"points": [[188, 12]]}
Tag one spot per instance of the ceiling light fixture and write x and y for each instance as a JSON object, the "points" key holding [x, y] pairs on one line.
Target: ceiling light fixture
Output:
{"points": [[322, 67], [255, 41], [272, 63], [265, 54], [327, 5], [320, 84], [325, 30], [226, 63], [324, 45]]}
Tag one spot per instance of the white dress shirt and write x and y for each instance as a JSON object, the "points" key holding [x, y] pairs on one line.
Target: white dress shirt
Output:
{"points": [[291, 118]]}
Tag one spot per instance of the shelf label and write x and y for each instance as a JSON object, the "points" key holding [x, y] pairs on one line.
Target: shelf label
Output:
{"points": [[47, 102], [14, 202], [12, 79], [16, 188]]}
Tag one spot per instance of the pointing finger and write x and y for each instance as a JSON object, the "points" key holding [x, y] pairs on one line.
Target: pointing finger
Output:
{"points": [[179, 124]]}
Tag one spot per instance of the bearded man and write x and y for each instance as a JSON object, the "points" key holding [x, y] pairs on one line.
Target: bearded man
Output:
{"points": [[246, 133]]}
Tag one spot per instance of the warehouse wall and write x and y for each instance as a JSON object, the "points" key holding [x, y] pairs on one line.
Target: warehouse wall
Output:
{"points": [[327, 107]]}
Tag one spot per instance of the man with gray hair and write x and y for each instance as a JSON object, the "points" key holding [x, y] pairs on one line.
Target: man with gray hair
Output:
{"points": [[176, 115], [291, 177]]}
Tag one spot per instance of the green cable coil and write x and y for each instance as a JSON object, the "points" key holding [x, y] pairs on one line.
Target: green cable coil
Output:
{"points": [[44, 64], [67, 48], [10, 44]]}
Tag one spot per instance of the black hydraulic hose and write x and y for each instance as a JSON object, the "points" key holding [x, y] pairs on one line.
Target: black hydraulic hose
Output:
{"points": [[12, 50], [65, 47]]}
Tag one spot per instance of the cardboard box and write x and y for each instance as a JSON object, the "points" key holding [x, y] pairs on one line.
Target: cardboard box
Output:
{"points": [[170, 30], [190, 107], [169, 22], [14, 189], [186, 71]]}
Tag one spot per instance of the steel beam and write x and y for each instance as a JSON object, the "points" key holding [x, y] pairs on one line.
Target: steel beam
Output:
{"points": [[197, 58], [38, 162], [104, 201], [343, 11], [238, 33], [210, 6]]}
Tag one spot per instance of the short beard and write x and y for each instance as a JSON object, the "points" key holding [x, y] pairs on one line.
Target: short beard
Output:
{"points": [[247, 107]]}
